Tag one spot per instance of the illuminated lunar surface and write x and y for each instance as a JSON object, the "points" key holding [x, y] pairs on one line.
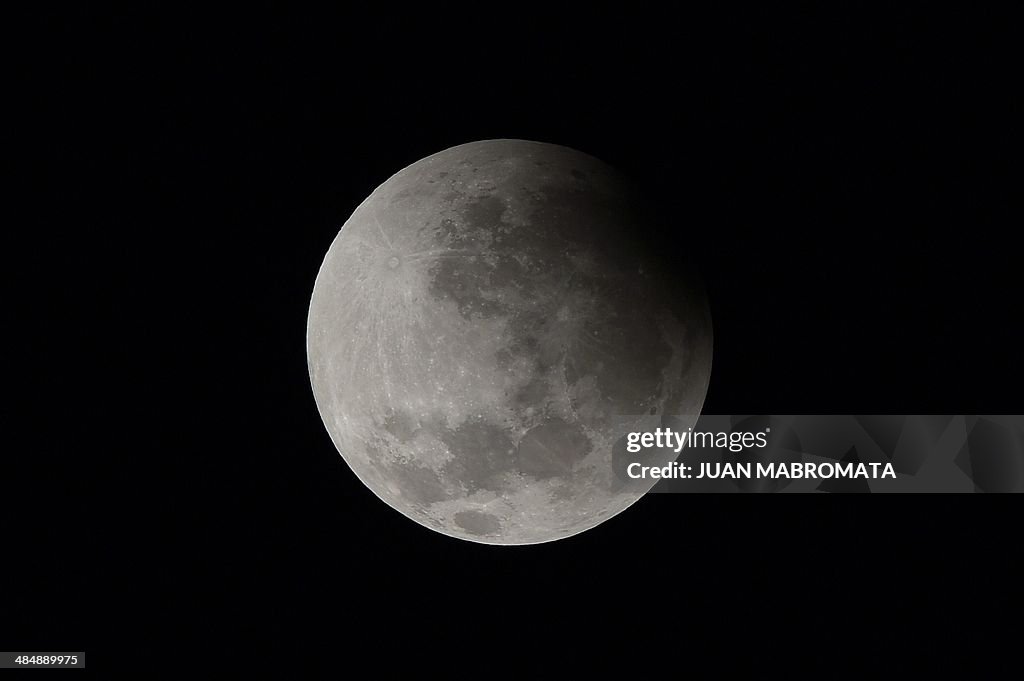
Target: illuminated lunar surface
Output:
{"points": [[480, 325]]}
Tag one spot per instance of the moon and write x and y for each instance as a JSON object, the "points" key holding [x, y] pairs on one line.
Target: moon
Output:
{"points": [[484, 326]]}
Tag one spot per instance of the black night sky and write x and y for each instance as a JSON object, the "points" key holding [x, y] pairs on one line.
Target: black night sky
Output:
{"points": [[845, 183]]}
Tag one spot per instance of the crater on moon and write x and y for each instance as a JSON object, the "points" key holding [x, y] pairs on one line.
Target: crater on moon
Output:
{"points": [[480, 326]]}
